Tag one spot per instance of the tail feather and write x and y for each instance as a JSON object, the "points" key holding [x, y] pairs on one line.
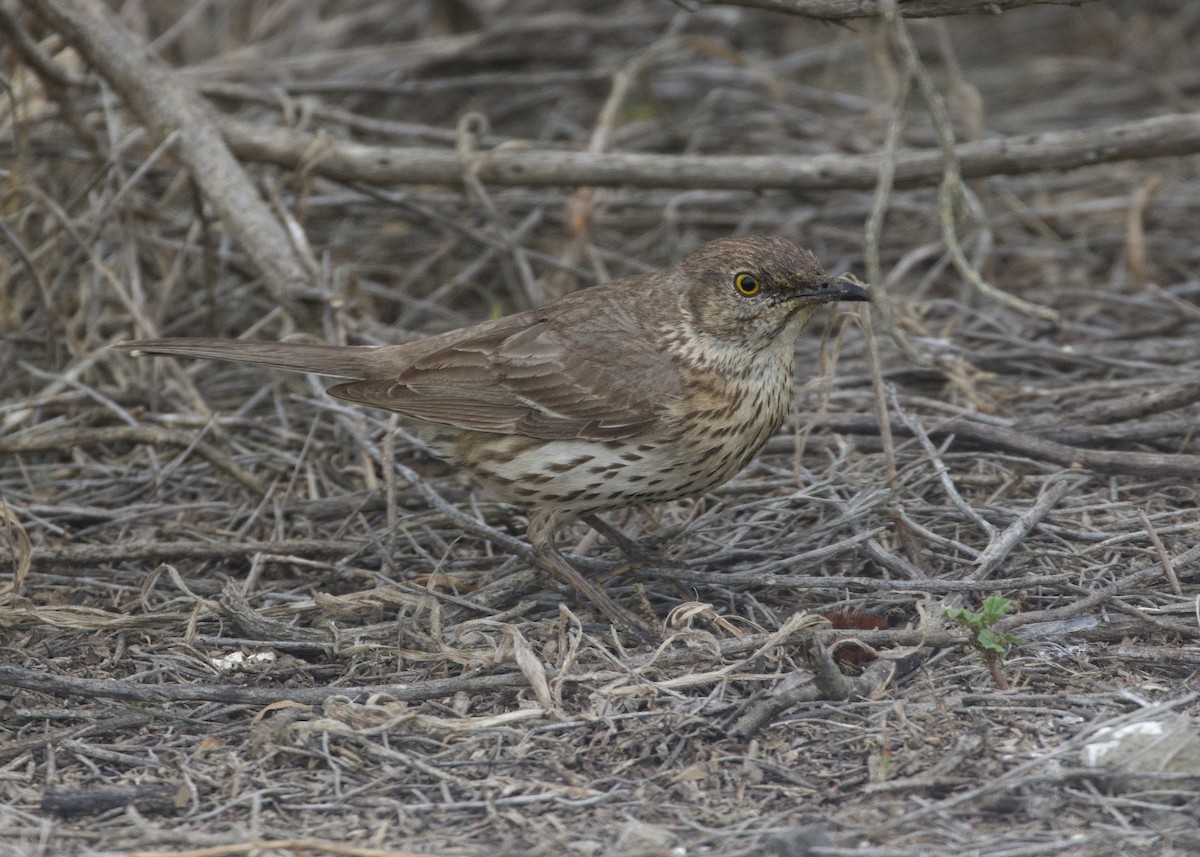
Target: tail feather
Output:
{"points": [[362, 362]]}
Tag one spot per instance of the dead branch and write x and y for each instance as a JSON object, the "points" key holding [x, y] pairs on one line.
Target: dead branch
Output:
{"points": [[92, 554], [994, 437], [74, 439], [168, 107], [843, 10], [148, 799], [1143, 403], [43, 682], [1056, 150]]}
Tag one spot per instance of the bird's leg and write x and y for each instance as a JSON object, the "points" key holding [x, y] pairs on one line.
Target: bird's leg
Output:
{"points": [[627, 546], [552, 560], [637, 553]]}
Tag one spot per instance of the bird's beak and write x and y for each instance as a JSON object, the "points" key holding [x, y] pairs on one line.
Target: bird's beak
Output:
{"points": [[841, 289]]}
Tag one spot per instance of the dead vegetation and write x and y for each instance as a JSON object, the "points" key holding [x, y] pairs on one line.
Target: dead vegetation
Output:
{"points": [[234, 627]]}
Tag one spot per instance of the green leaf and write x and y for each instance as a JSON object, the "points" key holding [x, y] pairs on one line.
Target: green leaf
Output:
{"points": [[988, 641], [995, 608]]}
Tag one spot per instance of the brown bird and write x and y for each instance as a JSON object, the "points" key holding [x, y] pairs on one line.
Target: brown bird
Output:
{"points": [[647, 388]]}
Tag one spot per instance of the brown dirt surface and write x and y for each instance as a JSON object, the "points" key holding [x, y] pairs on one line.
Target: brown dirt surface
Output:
{"points": [[243, 618]]}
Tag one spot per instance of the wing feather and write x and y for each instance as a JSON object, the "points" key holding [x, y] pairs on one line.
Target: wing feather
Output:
{"points": [[552, 377]]}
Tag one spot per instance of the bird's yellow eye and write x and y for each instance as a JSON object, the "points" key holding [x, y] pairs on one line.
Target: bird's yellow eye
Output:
{"points": [[747, 284]]}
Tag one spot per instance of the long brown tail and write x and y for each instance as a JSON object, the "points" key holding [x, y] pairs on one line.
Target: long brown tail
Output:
{"points": [[347, 361]]}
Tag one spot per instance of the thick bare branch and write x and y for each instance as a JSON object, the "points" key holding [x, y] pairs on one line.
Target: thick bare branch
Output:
{"points": [[1029, 153], [168, 106], [841, 10]]}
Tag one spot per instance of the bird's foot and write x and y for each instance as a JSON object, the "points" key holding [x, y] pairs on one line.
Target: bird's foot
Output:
{"points": [[552, 560]]}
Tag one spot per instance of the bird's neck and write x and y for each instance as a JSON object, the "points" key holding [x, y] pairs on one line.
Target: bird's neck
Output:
{"points": [[771, 363]]}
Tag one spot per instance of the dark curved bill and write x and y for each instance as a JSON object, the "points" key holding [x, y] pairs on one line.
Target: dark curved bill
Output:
{"points": [[840, 290]]}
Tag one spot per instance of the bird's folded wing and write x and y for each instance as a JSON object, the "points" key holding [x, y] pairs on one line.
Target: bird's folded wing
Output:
{"points": [[532, 382]]}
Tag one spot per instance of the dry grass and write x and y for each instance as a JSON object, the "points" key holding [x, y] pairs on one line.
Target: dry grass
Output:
{"points": [[403, 687]]}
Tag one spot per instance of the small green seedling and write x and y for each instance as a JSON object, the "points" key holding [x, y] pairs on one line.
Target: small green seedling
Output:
{"points": [[992, 645]]}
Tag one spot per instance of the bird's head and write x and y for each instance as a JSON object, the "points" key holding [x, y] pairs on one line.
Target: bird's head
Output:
{"points": [[754, 291]]}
